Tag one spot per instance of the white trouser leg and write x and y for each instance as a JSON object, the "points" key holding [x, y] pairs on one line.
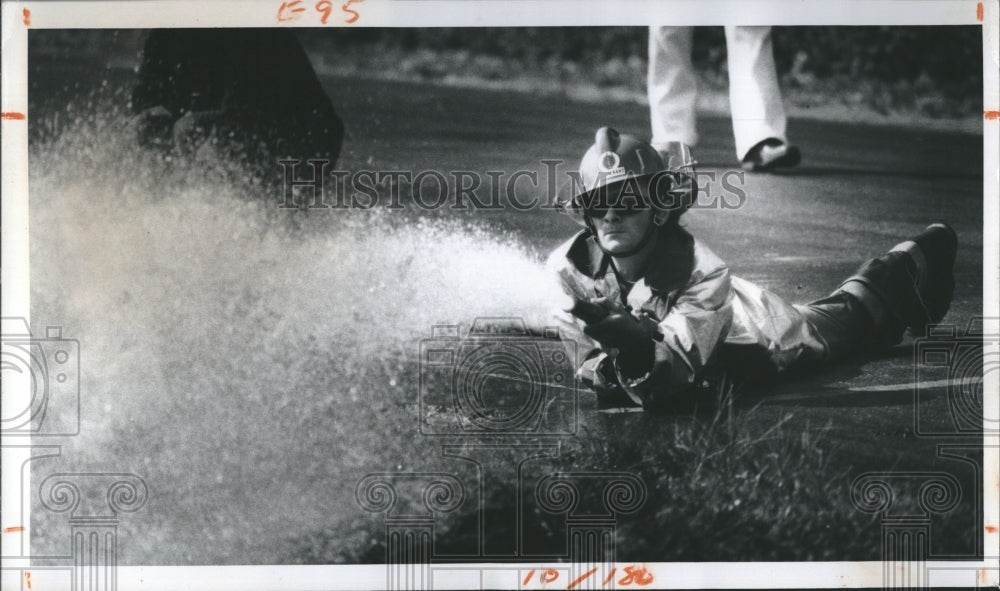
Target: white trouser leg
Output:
{"points": [[754, 94], [672, 85]]}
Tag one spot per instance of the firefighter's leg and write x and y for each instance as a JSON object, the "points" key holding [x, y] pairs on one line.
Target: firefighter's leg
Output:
{"points": [[844, 325], [908, 287]]}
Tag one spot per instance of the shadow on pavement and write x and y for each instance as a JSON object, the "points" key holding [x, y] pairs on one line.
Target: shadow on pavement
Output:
{"points": [[827, 386]]}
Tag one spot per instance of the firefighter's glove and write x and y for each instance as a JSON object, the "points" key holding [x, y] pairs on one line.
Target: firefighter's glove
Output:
{"points": [[628, 339]]}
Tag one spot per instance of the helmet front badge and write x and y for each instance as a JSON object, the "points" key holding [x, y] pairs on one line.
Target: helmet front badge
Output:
{"points": [[609, 161]]}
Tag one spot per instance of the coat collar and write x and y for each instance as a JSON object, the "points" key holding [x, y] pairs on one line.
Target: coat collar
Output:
{"points": [[669, 270]]}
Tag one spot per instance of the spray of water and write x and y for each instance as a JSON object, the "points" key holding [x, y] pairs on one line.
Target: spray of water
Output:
{"points": [[250, 363]]}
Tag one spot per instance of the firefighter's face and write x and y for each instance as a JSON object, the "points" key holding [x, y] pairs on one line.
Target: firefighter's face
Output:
{"points": [[621, 229]]}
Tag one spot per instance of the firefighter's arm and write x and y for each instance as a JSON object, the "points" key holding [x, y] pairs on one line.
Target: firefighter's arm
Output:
{"points": [[689, 336], [593, 366]]}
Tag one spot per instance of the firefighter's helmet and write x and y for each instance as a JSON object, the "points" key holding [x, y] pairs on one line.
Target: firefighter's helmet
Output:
{"points": [[617, 160]]}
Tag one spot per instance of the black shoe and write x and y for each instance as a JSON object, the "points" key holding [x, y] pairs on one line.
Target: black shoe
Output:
{"points": [[934, 283], [770, 154]]}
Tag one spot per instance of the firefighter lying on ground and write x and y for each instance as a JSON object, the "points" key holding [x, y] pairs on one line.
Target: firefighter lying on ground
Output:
{"points": [[654, 307]]}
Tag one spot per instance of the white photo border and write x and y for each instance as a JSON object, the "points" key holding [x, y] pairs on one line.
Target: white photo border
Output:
{"points": [[85, 14]]}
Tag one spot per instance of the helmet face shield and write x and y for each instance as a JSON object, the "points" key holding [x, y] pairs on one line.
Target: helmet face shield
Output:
{"points": [[632, 195], [680, 162]]}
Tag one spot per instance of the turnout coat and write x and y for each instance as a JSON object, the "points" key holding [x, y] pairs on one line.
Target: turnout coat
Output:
{"points": [[699, 307]]}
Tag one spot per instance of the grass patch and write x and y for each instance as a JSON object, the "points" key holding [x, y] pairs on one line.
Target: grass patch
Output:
{"points": [[719, 485]]}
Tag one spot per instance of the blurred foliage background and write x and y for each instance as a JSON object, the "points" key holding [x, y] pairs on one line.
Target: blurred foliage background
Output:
{"points": [[927, 71], [947, 54], [936, 71]]}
